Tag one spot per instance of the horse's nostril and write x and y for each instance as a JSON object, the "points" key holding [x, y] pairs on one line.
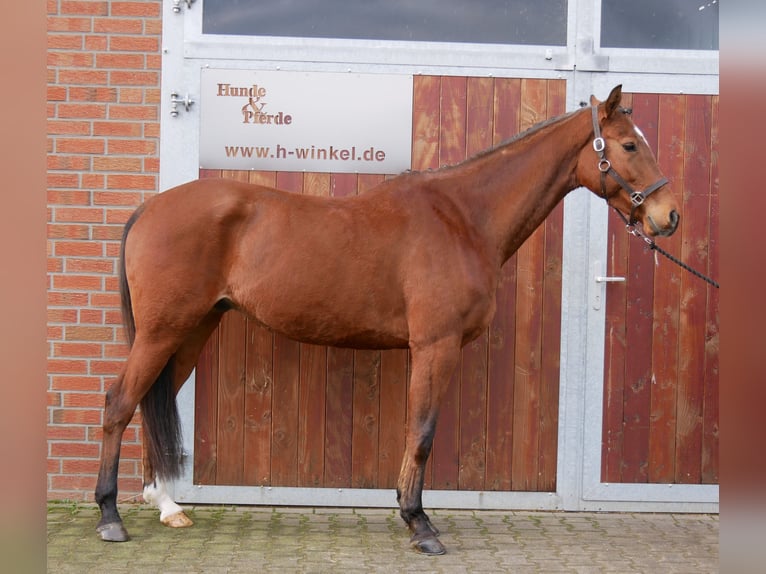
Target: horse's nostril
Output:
{"points": [[674, 218]]}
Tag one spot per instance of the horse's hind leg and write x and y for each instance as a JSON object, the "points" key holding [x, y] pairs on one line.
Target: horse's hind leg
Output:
{"points": [[432, 367], [155, 489], [141, 370]]}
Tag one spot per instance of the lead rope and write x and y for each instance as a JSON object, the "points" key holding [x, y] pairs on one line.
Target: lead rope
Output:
{"points": [[633, 230]]}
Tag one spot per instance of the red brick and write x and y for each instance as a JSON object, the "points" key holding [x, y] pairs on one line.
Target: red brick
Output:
{"points": [[68, 24], [124, 129], [74, 265], [65, 41], [143, 9], [93, 181], [70, 59], [134, 78], [89, 333], [115, 351], [80, 145], [133, 112], [63, 180], [68, 197], [153, 62], [106, 367], [55, 432], [61, 231], [91, 317], [68, 162], [79, 248], [96, 43], [112, 163], [90, 400], [54, 333], [112, 283], [55, 265], [77, 282], [68, 127], [70, 366], [77, 416], [138, 147], [71, 350], [79, 214], [132, 182], [57, 93], [106, 300], [132, 95], [118, 25], [53, 399], [152, 130], [76, 383], [57, 299], [84, 7], [57, 315], [107, 232], [117, 198], [120, 216], [92, 94], [75, 466], [151, 165], [120, 61], [147, 44], [89, 111], [153, 27], [83, 77]]}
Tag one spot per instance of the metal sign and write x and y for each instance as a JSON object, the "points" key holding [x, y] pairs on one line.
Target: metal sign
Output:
{"points": [[305, 121]]}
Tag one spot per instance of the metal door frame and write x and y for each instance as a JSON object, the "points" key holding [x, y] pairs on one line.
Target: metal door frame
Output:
{"points": [[587, 69]]}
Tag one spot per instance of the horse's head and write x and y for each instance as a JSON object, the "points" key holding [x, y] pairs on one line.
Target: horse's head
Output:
{"points": [[619, 165]]}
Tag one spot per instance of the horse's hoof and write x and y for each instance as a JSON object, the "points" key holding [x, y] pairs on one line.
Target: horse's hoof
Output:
{"points": [[429, 545], [177, 520], [113, 532]]}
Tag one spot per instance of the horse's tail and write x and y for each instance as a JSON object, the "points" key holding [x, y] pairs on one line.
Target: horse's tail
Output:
{"points": [[159, 411]]}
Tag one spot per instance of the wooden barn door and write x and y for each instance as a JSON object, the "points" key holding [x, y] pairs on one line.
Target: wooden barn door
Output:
{"points": [[661, 365], [270, 411]]}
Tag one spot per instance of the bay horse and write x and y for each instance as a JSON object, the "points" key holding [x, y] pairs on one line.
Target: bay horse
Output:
{"points": [[421, 259]]}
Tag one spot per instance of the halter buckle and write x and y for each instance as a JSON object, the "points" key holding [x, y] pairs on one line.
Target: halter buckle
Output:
{"points": [[599, 144], [604, 165]]}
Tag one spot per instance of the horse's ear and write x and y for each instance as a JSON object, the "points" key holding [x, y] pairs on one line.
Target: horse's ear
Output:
{"points": [[613, 101]]}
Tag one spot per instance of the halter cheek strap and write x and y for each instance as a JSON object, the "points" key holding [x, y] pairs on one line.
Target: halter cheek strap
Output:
{"points": [[605, 167]]}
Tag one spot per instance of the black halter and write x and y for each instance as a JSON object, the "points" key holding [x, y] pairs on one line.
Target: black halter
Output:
{"points": [[605, 167]]}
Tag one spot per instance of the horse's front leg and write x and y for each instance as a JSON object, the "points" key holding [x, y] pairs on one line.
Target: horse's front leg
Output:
{"points": [[432, 367]]}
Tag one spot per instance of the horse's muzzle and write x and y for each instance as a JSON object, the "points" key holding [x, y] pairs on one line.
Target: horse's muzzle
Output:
{"points": [[667, 230]]}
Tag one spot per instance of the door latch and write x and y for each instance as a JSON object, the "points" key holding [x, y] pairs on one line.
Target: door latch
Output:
{"points": [[600, 291], [177, 5], [174, 101]]}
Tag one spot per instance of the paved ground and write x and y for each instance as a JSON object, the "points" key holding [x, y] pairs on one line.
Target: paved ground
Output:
{"points": [[238, 539]]}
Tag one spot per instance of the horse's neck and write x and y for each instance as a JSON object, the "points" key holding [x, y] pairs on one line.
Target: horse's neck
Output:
{"points": [[521, 182]]}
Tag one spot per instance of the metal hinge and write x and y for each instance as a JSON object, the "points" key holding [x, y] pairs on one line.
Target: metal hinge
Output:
{"points": [[174, 101], [177, 5]]}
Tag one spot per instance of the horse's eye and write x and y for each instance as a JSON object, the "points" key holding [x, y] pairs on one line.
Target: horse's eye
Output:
{"points": [[630, 146]]}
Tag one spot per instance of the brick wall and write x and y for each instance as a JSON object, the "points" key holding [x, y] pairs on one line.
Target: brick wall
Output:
{"points": [[103, 159]]}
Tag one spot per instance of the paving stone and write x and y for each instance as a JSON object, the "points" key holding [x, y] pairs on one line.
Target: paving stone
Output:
{"points": [[338, 540]]}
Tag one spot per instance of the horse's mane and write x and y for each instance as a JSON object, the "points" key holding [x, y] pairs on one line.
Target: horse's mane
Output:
{"points": [[538, 127]]}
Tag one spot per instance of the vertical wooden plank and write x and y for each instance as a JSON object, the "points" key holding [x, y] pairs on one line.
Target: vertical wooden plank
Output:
{"points": [[425, 122], [206, 413], [366, 417], [614, 352], [425, 152], [694, 252], [526, 400], [231, 399], [502, 338], [393, 415], [474, 368], [340, 386], [259, 384], [667, 282], [638, 321], [259, 387], [551, 316], [452, 141], [285, 397], [710, 446], [339, 424], [312, 383]]}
